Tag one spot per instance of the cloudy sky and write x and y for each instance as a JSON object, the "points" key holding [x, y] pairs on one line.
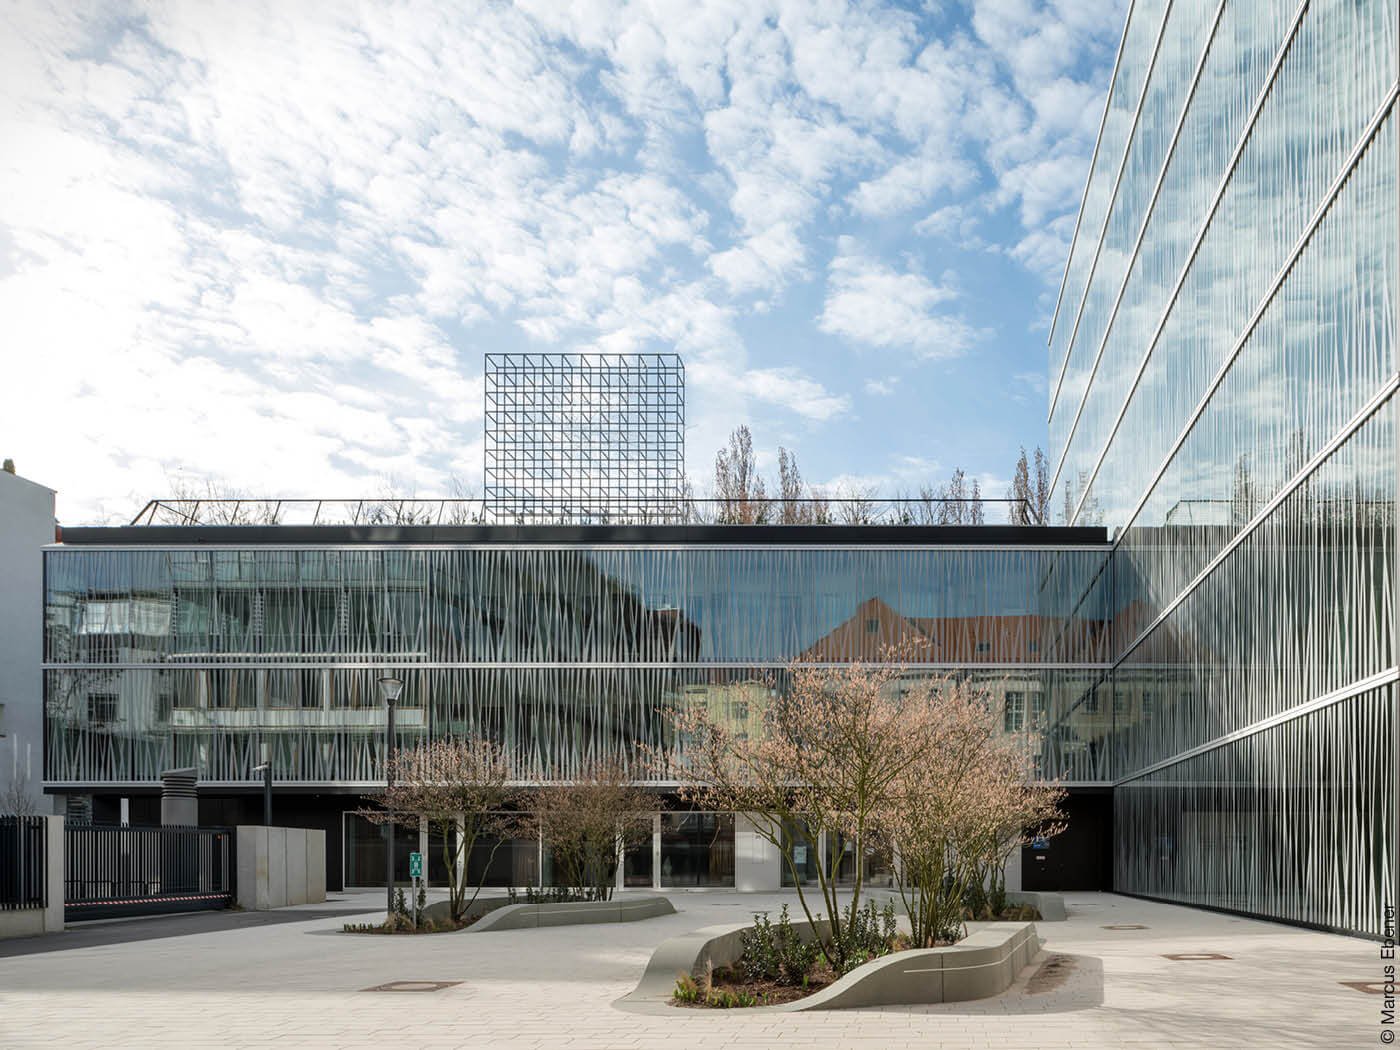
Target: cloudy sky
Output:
{"points": [[269, 244]]}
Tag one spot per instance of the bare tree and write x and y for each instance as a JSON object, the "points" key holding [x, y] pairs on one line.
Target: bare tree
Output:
{"points": [[17, 801], [1040, 487], [791, 509], [213, 502], [856, 505], [397, 505], [466, 506], [1244, 496], [457, 786], [588, 823], [738, 486], [960, 501], [1019, 513], [1030, 488]]}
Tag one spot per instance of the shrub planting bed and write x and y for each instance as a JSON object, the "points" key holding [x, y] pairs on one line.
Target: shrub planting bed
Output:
{"points": [[782, 963]]}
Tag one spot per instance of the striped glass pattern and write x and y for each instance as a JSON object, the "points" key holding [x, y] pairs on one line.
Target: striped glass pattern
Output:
{"points": [[161, 658], [1229, 413], [1292, 822]]}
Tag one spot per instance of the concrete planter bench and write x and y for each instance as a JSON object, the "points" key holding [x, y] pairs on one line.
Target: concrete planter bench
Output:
{"points": [[984, 964], [573, 913]]}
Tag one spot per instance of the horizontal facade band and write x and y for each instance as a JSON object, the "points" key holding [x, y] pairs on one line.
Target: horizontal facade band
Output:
{"points": [[1337, 696], [389, 664], [584, 537], [355, 787], [289, 545]]}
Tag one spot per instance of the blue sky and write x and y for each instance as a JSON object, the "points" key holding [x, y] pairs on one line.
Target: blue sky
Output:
{"points": [[269, 244]]}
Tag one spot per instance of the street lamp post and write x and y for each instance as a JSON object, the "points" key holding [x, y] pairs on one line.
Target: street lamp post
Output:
{"points": [[265, 770], [389, 688]]}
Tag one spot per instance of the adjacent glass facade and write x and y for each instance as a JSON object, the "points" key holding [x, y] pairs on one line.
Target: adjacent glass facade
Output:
{"points": [[162, 657], [1223, 365]]}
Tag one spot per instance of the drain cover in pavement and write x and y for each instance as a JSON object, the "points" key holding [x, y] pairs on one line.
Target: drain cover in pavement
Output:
{"points": [[412, 986], [1369, 987], [1125, 926], [1195, 956]]}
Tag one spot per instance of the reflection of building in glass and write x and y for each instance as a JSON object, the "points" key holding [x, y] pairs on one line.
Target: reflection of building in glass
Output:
{"points": [[195, 646], [584, 437], [1223, 367]]}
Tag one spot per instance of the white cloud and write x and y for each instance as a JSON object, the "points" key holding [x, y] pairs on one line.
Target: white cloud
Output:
{"points": [[271, 242], [881, 387], [790, 389], [872, 303]]}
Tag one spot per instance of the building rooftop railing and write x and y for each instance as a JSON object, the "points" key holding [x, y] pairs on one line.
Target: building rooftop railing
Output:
{"points": [[900, 510]]}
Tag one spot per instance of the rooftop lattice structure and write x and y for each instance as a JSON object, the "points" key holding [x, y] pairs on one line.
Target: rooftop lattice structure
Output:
{"points": [[584, 437]]}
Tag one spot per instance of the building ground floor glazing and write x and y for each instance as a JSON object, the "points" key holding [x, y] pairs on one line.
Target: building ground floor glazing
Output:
{"points": [[687, 848]]}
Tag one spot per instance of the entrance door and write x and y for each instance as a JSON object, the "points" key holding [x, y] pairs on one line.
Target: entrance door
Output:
{"points": [[1080, 857]]}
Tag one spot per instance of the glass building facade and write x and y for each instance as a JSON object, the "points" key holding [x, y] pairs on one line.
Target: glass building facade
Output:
{"points": [[161, 657], [201, 646], [1223, 370]]}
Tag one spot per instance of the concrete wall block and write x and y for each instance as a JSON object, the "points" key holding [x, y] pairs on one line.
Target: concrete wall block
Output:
{"points": [[276, 867], [315, 866], [23, 922], [54, 875], [296, 865], [279, 867], [261, 860], [246, 845]]}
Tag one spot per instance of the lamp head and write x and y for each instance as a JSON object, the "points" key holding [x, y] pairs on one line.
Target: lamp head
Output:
{"points": [[390, 688]]}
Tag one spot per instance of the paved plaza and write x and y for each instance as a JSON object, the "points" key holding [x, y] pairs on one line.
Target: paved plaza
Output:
{"points": [[291, 979]]}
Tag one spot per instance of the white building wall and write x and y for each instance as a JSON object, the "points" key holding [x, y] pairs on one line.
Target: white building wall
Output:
{"points": [[26, 524], [757, 866]]}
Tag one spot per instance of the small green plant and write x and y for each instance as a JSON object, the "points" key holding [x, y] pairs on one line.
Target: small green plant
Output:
{"points": [[866, 935], [686, 990], [554, 895], [775, 952], [975, 899], [996, 896]]}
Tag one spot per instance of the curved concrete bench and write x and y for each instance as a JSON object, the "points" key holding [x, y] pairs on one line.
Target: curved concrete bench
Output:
{"points": [[573, 913], [985, 963]]}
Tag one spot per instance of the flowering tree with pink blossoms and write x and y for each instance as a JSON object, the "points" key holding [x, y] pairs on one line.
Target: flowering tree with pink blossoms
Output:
{"points": [[899, 762]]}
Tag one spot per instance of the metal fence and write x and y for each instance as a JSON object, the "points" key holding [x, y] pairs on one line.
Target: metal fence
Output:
{"points": [[112, 870], [23, 863], [922, 509]]}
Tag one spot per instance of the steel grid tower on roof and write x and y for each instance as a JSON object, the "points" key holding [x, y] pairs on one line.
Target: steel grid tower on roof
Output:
{"points": [[584, 437]]}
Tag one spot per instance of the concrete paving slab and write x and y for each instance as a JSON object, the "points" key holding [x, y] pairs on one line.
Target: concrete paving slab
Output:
{"points": [[291, 979]]}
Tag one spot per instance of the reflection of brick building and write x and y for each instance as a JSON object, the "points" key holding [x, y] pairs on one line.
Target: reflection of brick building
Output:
{"points": [[982, 639]]}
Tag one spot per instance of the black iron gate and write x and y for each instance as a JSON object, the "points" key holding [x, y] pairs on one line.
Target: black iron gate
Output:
{"points": [[114, 871], [23, 862]]}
